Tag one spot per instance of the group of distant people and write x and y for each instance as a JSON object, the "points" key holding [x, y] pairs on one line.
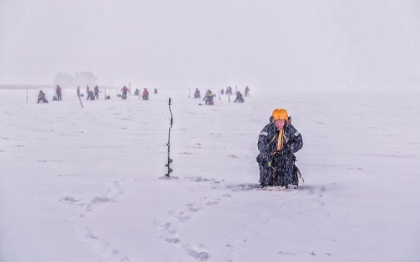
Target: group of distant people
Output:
{"points": [[56, 97], [92, 94], [208, 98], [145, 94]]}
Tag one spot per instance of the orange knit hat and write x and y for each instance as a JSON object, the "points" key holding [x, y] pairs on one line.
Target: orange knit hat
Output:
{"points": [[280, 114]]}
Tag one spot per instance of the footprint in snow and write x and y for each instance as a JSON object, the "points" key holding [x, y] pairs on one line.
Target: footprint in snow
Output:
{"points": [[101, 200], [69, 199], [286, 253], [212, 202], [176, 223], [198, 255], [114, 190], [105, 249]]}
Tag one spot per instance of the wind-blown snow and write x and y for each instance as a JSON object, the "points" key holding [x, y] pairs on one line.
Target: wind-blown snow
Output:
{"points": [[82, 184]]}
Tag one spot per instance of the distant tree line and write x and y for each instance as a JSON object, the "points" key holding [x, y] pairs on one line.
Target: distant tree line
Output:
{"points": [[67, 80]]}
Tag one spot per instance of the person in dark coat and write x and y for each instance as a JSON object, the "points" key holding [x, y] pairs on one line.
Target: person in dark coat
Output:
{"points": [[58, 92], [246, 91], [229, 90], [41, 97], [145, 94], [137, 92], [197, 93], [96, 89], [239, 98], [90, 95], [155, 91], [278, 142]]}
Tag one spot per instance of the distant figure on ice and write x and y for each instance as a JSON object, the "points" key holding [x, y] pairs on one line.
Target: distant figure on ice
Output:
{"points": [[87, 90], [90, 95], [137, 92], [145, 94], [229, 90], [96, 89], [155, 91], [197, 93], [41, 97], [246, 91], [222, 91], [58, 92], [78, 91], [208, 98], [278, 142], [124, 91], [239, 98]]}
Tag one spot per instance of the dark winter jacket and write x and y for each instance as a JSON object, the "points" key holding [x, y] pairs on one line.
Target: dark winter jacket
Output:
{"points": [[41, 95], [239, 98], [267, 142]]}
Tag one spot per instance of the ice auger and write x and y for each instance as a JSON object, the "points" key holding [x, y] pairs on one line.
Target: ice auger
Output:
{"points": [[169, 142]]}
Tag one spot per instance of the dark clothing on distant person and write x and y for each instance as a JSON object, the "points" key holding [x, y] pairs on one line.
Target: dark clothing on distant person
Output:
{"points": [[228, 90], [197, 93], [41, 97], [96, 92], [90, 95], [58, 92], [239, 98], [246, 91]]}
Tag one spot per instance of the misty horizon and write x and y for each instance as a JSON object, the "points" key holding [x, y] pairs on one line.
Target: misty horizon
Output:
{"points": [[273, 44]]}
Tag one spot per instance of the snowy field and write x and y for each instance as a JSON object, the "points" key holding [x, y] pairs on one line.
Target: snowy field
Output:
{"points": [[81, 185]]}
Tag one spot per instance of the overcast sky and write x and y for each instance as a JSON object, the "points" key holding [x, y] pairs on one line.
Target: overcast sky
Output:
{"points": [[212, 44]]}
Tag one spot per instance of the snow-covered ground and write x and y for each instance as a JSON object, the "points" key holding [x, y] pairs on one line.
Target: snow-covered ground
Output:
{"points": [[82, 184]]}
